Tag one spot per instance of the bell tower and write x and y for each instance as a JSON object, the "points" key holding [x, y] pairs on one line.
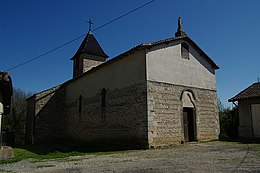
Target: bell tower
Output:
{"points": [[89, 55]]}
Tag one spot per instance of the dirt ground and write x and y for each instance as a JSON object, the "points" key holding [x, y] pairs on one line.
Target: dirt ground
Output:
{"points": [[194, 157]]}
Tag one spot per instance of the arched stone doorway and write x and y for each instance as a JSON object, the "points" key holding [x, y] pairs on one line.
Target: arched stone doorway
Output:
{"points": [[189, 116]]}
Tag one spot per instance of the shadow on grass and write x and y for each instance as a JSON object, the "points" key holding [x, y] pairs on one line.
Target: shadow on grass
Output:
{"points": [[62, 150], [80, 147]]}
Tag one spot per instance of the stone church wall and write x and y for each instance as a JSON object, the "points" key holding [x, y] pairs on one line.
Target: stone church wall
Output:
{"points": [[165, 116], [49, 124], [74, 112], [36, 107], [122, 120]]}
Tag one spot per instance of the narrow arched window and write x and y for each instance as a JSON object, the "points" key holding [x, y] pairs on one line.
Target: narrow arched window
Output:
{"points": [[185, 51], [103, 97], [80, 104]]}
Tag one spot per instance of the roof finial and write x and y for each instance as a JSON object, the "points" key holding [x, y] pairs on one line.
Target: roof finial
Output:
{"points": [[179, 24], [180, 31], [89, 26]]}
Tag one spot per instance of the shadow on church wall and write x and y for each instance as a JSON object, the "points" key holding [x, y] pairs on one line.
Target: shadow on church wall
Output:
{"points": [[85, 125]]}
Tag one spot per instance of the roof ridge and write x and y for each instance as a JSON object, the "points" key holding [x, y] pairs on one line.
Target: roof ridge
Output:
{"points": [[251, 91]]}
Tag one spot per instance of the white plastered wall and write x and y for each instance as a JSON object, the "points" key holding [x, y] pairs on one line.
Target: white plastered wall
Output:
{"points": [[165, 64]]}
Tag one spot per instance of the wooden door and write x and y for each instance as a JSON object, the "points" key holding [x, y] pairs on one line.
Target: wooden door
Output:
{"points": [[255, 111], [185, 125], [188, 123]]}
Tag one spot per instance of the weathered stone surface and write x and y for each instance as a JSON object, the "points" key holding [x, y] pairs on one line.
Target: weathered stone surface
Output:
{"points": [[89, 64], [122, 119], [165, 114], [147, 115], [6, 153], [35, 104]]}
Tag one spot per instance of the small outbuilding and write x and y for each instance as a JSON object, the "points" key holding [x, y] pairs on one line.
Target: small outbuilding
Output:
{"points": [[248, 102]]}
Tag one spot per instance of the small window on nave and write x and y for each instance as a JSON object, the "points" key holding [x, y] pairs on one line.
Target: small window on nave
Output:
{"points": [[103, 97]]}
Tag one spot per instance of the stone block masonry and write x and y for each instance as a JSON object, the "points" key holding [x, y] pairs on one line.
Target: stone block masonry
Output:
{"points": [[123, 119], [165, 113], [142, 115], [35, 104], [49, 123]]}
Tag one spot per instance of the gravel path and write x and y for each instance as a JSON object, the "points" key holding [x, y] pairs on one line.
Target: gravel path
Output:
{"points": [[196, 157]]}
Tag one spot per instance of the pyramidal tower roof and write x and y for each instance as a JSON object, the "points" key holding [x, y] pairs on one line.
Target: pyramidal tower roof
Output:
{"points": [[91, 46]]}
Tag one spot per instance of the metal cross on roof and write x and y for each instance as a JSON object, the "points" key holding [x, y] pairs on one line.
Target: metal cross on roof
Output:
{"points": [[90, 23]]}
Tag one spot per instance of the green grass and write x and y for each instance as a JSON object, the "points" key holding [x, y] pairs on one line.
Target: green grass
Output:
{"points": [[21, 154], [42, 153]]}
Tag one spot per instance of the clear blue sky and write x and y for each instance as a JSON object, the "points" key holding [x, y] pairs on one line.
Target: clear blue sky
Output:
{"points": [[227, 30]]}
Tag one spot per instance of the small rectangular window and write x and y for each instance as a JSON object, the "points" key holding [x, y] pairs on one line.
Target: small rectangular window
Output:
{"points": [[185, 51]]}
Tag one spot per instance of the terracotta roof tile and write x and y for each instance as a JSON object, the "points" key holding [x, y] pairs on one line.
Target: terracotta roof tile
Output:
{"points": [[252, 91]]}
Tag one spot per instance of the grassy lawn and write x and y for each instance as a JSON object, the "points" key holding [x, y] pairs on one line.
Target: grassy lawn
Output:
{"points": [[41, 153], [21, 154]]}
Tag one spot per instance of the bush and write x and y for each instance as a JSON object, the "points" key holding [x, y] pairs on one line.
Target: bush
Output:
{"points": [[228, 122]]}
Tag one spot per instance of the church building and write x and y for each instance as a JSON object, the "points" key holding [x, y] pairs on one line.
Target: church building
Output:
{"points": [[154, 94]]}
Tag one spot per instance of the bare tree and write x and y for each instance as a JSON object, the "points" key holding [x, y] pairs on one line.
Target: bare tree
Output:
{"points": [[14, 124]]}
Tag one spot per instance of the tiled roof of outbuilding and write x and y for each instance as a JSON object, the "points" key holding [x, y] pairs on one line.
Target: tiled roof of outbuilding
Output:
{"points": [[252, 91]]}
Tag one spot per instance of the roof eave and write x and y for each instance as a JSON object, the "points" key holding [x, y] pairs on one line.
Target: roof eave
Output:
{"points": [[77, 54], [188, 39], [245, 98], [210, 61]]}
